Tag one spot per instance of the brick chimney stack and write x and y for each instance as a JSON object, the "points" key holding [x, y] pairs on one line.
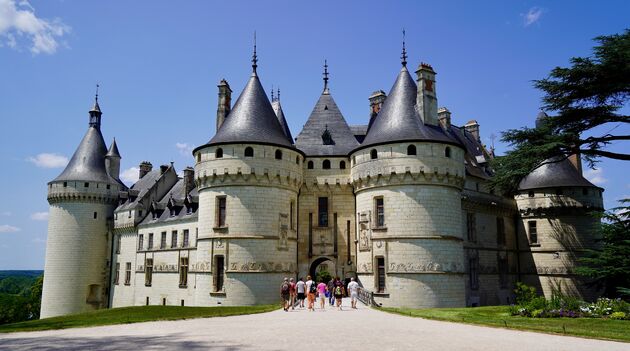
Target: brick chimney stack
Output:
{"points": [[225, 102]]}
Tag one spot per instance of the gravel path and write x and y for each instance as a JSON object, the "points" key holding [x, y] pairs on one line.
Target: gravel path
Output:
{"points": [[362, 329]]}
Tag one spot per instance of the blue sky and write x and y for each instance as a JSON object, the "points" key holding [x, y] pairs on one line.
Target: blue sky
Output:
{"points": [[158, 64]]}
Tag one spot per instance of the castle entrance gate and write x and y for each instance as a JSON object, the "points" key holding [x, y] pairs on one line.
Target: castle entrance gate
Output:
{"points": [[323, 264]]}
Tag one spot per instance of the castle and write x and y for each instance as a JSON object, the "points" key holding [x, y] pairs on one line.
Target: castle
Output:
{"points": [[402, 203]]}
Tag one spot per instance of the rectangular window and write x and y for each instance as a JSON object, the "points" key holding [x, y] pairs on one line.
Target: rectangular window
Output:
{"points": [[503, 272], [127, 273], [118, 240], [117, 274], [150, 241], [291, 215], [473, 272], [174, 239], [95, 215], [219, 273], [221, 211], [129, 215], [322, 212], [533, 232], [380, 281], [471, 227], [185, 242], [140, 242], [379, 209], [501, 231], [148, 271], [183, 272], [163, 241]]}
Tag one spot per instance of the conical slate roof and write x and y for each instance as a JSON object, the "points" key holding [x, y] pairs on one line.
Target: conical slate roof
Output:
{"points": [[552, 174], [277, 108], [88, 162], [326, 116], [399, 120], [113, 150], [252, 119]]}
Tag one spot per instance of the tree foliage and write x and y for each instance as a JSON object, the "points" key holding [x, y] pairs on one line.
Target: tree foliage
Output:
{"points": [[610, 265], [584, 96]]}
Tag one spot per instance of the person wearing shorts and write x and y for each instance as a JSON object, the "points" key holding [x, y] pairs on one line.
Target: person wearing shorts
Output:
{"points": [[285, 295], [338, 292], [353, 288], [292, 293], [310, 294], [321, 291], [300, 288]]}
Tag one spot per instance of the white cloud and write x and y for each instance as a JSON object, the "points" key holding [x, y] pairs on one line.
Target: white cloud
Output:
{"points": [[46, 160], [184, 149], [5, 228], [130, 175], [39, 216], [18, 21], [532, 16], [595, 176]]}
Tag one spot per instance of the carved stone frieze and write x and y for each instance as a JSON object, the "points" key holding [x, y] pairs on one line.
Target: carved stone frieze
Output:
{"points": [[262, 267]]}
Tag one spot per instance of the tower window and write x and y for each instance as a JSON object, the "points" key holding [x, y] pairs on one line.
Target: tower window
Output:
{"points": [[163, 241], [249, 152], [354, 160], [297, 160], [140, 242], [186, 238], [148, 271], [533, 232], [500, 231], [95, 215], [183, 272], [411, 150], [65, 184], [150, 241], [584, 191], [471, 227], [86, 185], [127, 273], [278, 155], [447, 152], [322, 211], [108, 187], [218, 153], [219, 273], [379, 209], [558, 191], [473, 271], [310, 164], [221, 211], [174, 239], [118, 243], [198, 157], [342, 165], [373, 154], [326, 164], [530, 194], [291, 216], [380, 279], [117, 276]]}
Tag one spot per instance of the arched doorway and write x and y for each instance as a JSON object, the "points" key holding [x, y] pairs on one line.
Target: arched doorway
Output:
{"points": [[322, 263]]}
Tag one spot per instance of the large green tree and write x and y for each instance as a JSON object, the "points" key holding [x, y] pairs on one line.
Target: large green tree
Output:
{"points": [[588, 94]]}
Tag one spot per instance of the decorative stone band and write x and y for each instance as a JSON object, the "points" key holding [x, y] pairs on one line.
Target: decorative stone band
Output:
{"points": [[58, 197], [531, 212], [414, 237], [393, 177], [488, 203], [247, 236], [317, 184], [261, 267], [250, 177], [417, 268]]}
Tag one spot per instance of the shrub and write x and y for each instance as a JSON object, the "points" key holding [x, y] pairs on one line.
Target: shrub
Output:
{"points": [[524, 293], [618, 315]]}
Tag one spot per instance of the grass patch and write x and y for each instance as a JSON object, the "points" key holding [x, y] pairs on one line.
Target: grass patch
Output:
{"points": [[498, 316], [133, 314]]}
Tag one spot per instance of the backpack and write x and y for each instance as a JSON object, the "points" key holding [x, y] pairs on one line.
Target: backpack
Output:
{"points": [[338, 290], [285, 288], [313, 288]]}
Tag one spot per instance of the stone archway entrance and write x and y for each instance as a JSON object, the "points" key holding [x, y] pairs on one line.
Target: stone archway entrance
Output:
{"points": [[322, 263]]}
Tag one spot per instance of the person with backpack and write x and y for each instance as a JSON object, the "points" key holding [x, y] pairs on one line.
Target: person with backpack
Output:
{"points": [[338, 292], [300, 287], [292, 293], [311, 290], [321, 290], [285, 294]]}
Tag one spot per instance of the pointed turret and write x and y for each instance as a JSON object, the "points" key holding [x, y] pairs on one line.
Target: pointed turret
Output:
{"points": [[277, 108], [112, 161], [95, 112]]}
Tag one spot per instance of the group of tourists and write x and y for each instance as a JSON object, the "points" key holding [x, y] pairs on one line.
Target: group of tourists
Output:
{"points": [[293, 293]]}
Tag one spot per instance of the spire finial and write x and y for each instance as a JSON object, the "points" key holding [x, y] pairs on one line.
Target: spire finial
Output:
{"points": [[278, 95], [404, 50], [272, 98], [325, 75], [254, 57], [96, 95]]}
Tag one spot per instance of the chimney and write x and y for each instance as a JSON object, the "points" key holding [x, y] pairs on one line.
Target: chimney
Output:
{"points": [[189, 180], [426, 99], [163, 168], [376, 102], [145, 167], [472, 127], [576, 161], [444, 116], [225, 102]]}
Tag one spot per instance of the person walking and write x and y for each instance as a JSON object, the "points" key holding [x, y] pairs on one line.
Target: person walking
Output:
{"points": [[353, 288], [311, 290], [331, 297], [300, 288], [321, 290], [338, 292], [285, 294], [292, 293]]}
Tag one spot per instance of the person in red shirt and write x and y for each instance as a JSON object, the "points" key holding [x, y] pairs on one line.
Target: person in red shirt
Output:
{"points": [[292, 292]]}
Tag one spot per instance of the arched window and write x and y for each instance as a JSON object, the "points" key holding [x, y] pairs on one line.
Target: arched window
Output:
{"points": [[447, 152], [278, 155], [219, 153], [342, 165], [310, 164], [411, 150], [326, 164], [373, 154], [249, 152], [297, 160], [198, 158]]}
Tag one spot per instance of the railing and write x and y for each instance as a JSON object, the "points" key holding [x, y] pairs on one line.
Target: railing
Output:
{"points": [[367, 297]]}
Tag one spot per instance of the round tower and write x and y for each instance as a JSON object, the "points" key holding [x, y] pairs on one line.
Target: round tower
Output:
{"points": [[408, 175], [82, 199], [556, 207], [248, 176]]}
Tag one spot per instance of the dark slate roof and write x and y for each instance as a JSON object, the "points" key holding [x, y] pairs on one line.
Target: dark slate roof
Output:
{"points": [[277, 108], [175, 196], [475, 157], [399, 120], [359, 131], [326, 115], [252, 119], [113, 150], [554, 174], [88, 162]]}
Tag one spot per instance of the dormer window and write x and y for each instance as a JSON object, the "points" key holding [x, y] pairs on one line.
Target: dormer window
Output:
{"points": [[219, 153], [327, 137], [189, 209]]}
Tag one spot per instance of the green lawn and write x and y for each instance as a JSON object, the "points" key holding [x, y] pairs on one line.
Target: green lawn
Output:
{"points": [[498, 316], [132, 315]]}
